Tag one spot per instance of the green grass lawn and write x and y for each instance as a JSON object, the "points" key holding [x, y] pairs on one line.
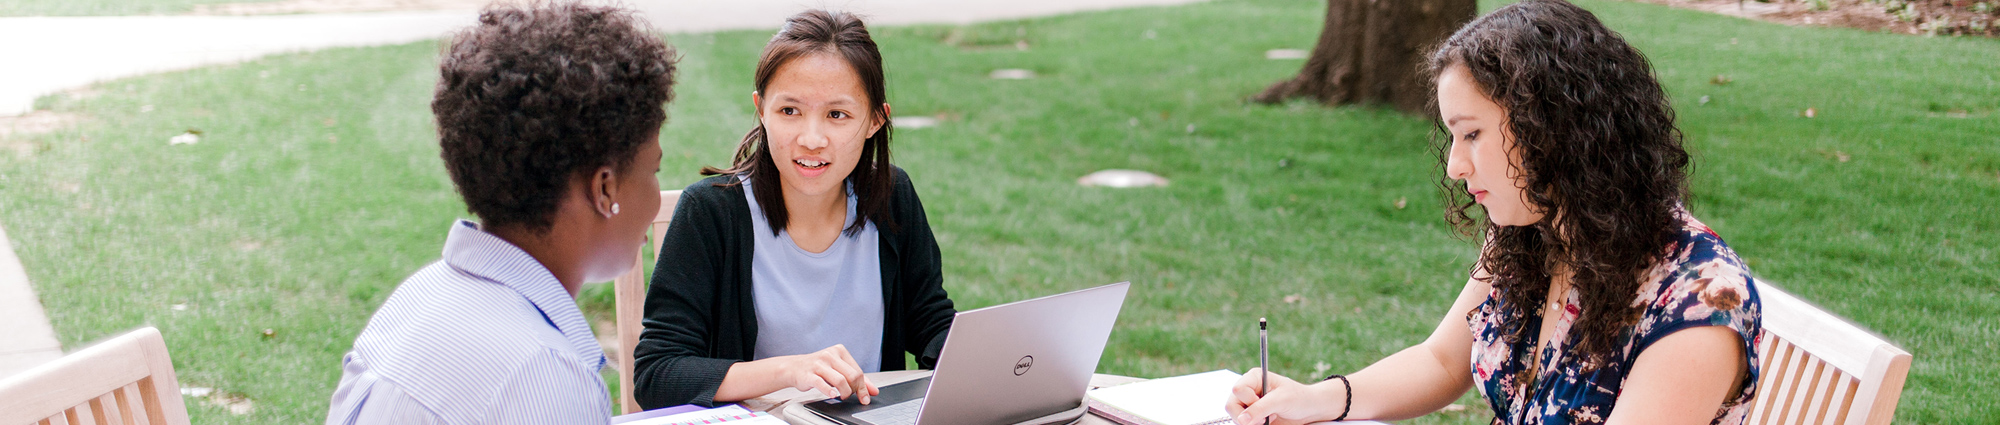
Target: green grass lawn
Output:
{"points": [[105, 7], [316, 188]]}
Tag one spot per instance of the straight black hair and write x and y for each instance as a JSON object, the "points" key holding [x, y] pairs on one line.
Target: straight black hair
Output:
{"points": [[822, 32]]}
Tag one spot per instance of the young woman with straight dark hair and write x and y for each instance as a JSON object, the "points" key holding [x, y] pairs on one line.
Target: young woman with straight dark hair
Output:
{"points": [[1597, 298], [808, 262]]}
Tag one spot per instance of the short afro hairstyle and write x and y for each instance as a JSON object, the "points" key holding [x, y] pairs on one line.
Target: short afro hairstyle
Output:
{"points": [[535, 95]]}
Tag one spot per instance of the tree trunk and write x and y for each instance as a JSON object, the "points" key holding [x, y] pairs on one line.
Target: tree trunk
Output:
{"points": [[1372, 51]]}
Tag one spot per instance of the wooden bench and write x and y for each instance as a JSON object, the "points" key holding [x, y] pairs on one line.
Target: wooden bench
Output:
{"points": [[1820, 369], [630, 291], [126, 380]]}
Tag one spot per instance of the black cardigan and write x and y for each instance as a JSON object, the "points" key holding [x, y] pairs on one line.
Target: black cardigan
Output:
{"points": [[700, 312]]}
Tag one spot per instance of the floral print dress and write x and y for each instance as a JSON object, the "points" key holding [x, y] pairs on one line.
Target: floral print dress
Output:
{"points": [[1702, 283]]}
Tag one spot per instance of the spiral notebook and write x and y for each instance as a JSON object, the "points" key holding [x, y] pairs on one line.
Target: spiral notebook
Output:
{"points": [[1182, 400]]}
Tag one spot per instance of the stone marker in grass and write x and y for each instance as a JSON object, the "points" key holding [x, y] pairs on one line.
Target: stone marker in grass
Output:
{"points": [[1122, 178], [1285, 54], [1011, 74], [188, 138], [914, 122]]}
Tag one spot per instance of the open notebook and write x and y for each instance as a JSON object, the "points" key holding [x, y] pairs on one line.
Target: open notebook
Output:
{"points": [[1182, 400]]}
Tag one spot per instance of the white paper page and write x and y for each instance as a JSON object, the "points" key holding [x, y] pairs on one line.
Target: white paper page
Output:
{"points": [[1187, 399]]}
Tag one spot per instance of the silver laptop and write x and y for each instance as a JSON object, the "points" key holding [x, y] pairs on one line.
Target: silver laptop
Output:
{"points": [[1023, 362]]}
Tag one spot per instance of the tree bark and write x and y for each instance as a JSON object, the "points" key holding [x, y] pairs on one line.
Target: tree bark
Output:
{"points": [[1372, 51]]}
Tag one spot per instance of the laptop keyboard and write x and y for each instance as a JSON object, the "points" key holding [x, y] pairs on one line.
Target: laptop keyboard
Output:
{"points": [[904, 413]]}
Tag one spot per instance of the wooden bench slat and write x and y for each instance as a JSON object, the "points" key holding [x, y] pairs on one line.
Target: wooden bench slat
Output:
{"points": [[1820, 369]]}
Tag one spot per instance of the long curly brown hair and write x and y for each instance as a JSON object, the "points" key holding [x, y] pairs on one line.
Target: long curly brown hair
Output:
{"points": [[1600, 157]]}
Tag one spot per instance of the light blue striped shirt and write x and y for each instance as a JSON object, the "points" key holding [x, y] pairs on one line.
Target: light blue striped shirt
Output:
{"points": [[485, 336]]}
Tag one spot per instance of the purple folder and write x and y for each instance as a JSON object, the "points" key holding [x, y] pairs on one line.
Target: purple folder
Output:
{"points": [[664, 411]]}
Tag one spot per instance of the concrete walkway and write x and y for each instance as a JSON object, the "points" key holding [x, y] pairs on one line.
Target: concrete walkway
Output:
{"points": [[45, 55], [26, 339]]}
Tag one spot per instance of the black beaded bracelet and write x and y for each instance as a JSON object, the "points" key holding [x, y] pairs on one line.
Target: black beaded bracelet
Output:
{"points": [[1349, 406]]}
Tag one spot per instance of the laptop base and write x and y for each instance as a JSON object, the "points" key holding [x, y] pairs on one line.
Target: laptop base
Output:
{"points": [[842, 412], [1067, 417]]}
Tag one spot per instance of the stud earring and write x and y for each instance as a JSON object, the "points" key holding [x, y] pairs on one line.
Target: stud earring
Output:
{"points": [[614, 208]]}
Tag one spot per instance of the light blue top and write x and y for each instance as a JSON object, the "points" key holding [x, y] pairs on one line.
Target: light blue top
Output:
{"points": [[485, 336], [809, 301]]}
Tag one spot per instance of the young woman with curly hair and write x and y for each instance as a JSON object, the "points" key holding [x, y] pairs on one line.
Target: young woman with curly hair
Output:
{"points": [[548, 120], [1558, 131], [809, 261]]}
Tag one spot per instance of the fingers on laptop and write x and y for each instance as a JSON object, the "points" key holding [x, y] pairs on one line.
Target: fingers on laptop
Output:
{"points": [[856, 378], [833, 372], [830, 382]]}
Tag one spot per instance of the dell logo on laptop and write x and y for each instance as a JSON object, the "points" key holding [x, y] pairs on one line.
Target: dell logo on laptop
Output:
{"points": [[1021, 366]]}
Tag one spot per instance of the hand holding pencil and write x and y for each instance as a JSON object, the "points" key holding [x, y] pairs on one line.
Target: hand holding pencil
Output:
{"points": [[1287, 402], [1265, 398]]}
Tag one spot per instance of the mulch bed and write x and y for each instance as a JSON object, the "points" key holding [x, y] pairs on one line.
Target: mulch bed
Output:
{"points": [[1918, 17]]}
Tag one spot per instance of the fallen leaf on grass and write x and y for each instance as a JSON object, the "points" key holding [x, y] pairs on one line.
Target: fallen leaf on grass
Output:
{"points": [[235, 403], [1810, 112], [246, 245], [1836, 155], [1402, 202], [1721, 80], [1294, 299]]}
